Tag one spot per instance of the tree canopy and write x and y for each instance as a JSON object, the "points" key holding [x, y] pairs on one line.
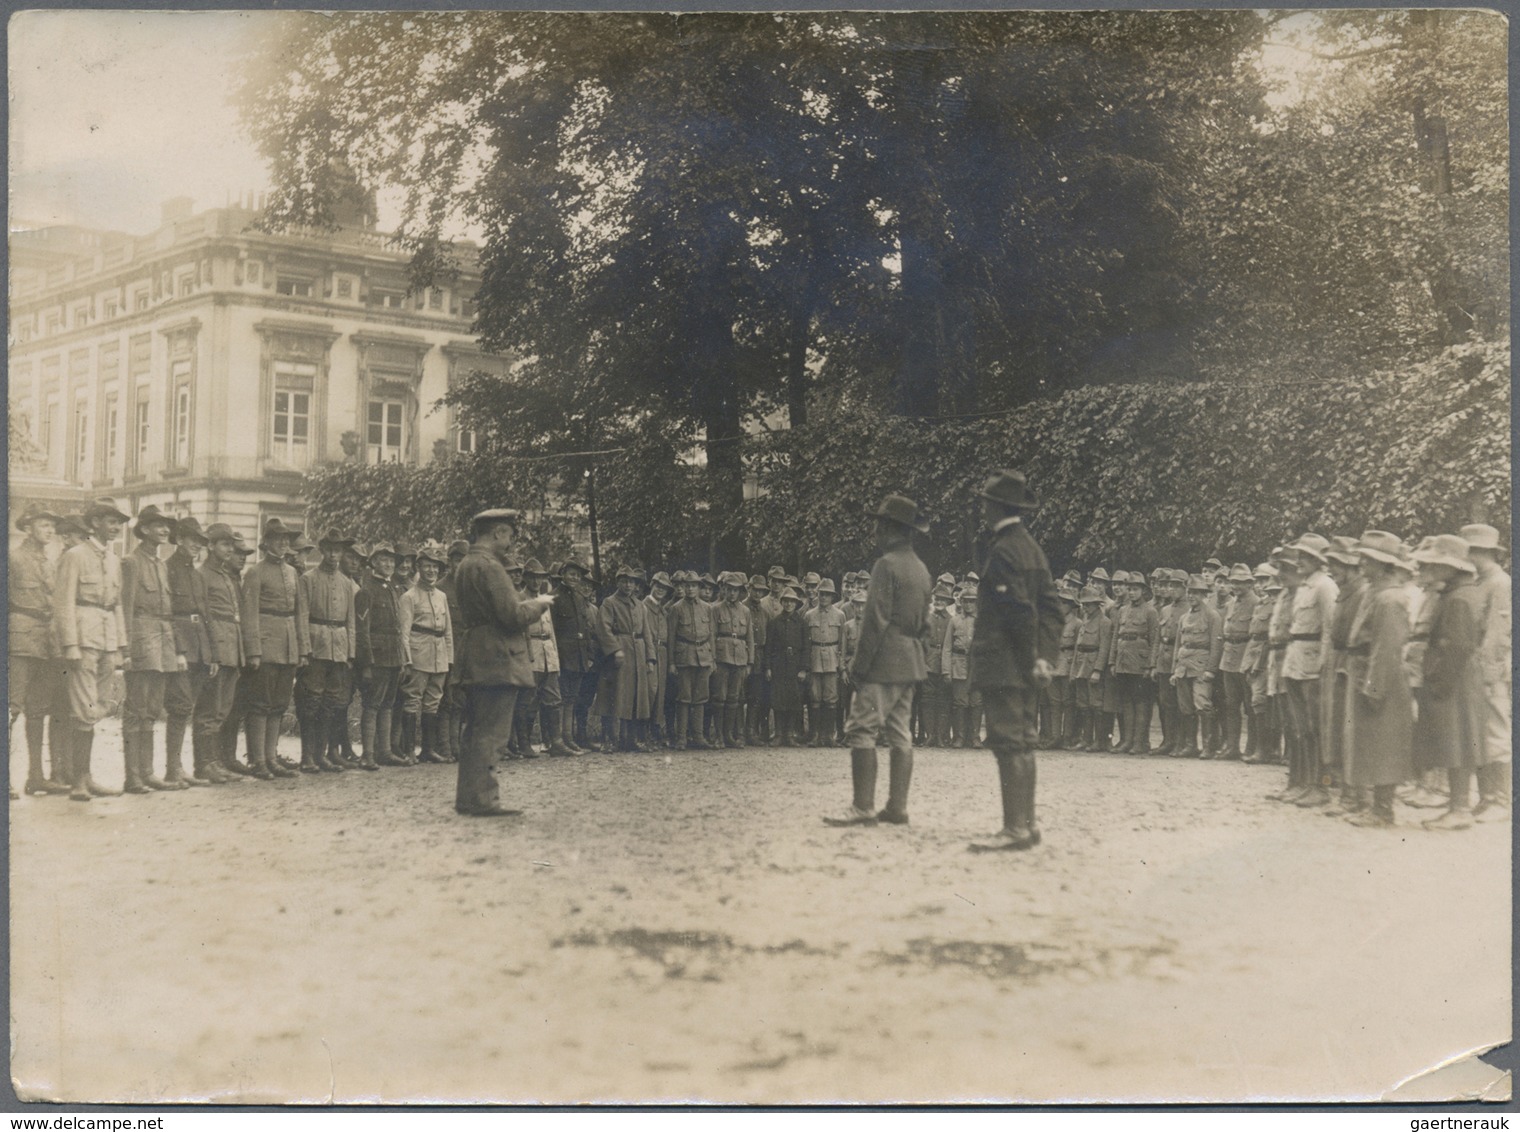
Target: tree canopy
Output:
{"points": [[697, 229]]}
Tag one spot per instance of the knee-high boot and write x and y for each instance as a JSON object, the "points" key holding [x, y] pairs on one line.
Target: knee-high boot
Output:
{"points": [[272, 747], [307, 729], [79, 763], [1140, 740], [552, 720], [1126, 723], [253, 726], [408, 751], [61, 751], [174, 747], [863, 778], [131, 759], [900, 778], [145, 763]]}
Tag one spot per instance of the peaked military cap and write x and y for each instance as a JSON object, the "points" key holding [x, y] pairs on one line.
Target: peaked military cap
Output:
{"points": [[495, 515]]}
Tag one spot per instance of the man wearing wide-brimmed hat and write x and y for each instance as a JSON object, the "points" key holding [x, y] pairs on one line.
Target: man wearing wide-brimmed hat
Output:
{"points": [[1013, 650], [332, 630], [379, 655], [1342, 563], [661, 695], [825, 626], [1200, 641], [1451, 725], [733, 652], [1304, 663], [274, 639], [692, 655], [785, 666], [582, 642], [1494, 587], [37, 678], [152, 654], [625, 695], [92, 634], [221, 655], [888, 665], [187, 595], [1132, 643], [1254, 663], [428, 633], [757, 692]]}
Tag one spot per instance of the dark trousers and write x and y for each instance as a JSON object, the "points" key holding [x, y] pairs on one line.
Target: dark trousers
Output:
{"points": [[1302, 702], [489, 710], [145, 700], [214, 702], [269, 688], [326, 684], [1012, 723], [1237, 701]]}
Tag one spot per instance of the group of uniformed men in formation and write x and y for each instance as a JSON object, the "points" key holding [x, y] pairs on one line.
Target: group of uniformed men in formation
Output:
{"points": [[1362, 665]]}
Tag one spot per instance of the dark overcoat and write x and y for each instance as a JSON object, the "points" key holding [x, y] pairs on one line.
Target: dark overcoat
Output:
{"points": [[1018, 616], [1379, 730], [1453, 709], [493, 623]]}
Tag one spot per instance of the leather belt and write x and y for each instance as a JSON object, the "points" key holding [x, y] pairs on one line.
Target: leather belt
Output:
{"points": [[39, 614], [1358, 650], [1087, 648], [690, 641], [1132, 636], [1257, 637], [1418, 638], [730, 636], [1304, 637], [223, 617], [327, 621], [1278, 646], [275, 613], [1237, 638], [441, 633], [95, 604]]}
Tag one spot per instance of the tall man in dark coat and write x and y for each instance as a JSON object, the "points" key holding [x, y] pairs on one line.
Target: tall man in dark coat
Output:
{"points": [[1013, 650], [493, 658], [888, 666]]}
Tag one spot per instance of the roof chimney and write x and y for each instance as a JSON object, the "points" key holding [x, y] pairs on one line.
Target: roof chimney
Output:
{"points": [[178, 208]]}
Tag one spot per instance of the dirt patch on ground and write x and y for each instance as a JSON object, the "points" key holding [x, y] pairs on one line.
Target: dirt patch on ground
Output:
{"points": [[684, 927]]}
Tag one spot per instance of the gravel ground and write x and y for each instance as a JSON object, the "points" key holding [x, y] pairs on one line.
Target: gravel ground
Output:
{"points": [[683, 927]]}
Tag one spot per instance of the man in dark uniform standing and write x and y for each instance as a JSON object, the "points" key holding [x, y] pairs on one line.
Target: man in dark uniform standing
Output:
{"points": [[1013, 650], [493, 658]]}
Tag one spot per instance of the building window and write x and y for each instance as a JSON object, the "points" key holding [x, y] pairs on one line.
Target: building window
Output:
{"points": [[49, 415], [140, 431], [186, 286], [82, 315], [255, 272], [110, 307], [392, 299], [81, 443], [110, 421], [435, 298], [294, 286], [182, 426], [54, 323], [140, 300], [384, 438], [464, 440], [345, 287]]}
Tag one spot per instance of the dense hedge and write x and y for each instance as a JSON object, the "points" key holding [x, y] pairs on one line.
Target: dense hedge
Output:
{"points": [[1130, 476]]}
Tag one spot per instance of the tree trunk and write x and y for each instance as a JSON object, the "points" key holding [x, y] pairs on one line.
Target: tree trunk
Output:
{"points": [[725, 472]]}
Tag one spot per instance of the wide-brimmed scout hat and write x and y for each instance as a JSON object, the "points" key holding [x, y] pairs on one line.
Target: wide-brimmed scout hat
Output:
{"points": [[277, 528], [1380, 546], [1342, 549], [1009, 488], [534, 567], [1199, 582], [188, 529], [1239, 572], [1120, 578], [1316, 546], [433, 551], [759, 582], [105, 508], [1098, 575], [221, 532], [1092, 595], [334, 537], [1480, 536], [625, 572], [901, 510], [776, 572], [34, 512], [1265, 570], [791, 593], [662, 579], [826, 586], [1447, 550], [380, 548], [151, 516]]}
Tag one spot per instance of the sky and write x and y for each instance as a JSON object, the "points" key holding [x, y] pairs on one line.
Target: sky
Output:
{"points": [[112, 113]]}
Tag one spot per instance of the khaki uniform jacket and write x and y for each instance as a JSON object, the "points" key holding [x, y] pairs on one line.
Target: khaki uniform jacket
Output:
{"points": [[331, 622], [31, 580], [1200, 641], [1165, 654], [223, 604], [934, 641], [1067, 653], [187, 597], [759, 618], [825, 633], [1497, 609], [1237, 632], [492, 624], [894, 621], [691, 633], [274, 628], [1254, 659], [148, 611], [1309, 627], [1277, 640], [1133, 641], [955, 649], [87, 600], [427, 633], [1093, 637], [543, 651], [733, 634]]}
